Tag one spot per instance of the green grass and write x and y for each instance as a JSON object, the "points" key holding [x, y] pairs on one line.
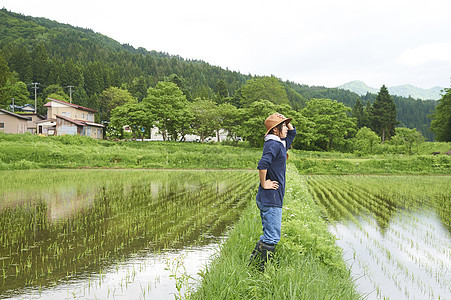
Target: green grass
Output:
{"points": [[386, 164], [27, 151], [32, 152], [307, 264]]}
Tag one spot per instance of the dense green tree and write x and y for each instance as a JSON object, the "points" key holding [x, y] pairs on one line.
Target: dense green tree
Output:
{"points": [[55, 91], [383, 115], [230, 120], [305, 131], [263, 88], [20, 61], [5, 82], [253, 128], [94, 79], [441, 118], [406, 138], [20, 93], [297, 101], [14, 89], [359, 112], [174, 78], [138, 88], [41, 64], [135, 115], [59, 96], [111, 98], [365, 141], [169, 106], [72, 75], [332, 123], [5, 73], [221, 91], [205, 118]]}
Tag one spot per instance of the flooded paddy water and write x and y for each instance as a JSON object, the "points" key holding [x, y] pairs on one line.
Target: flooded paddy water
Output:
{"points": [[395, 232], [122, 234]]}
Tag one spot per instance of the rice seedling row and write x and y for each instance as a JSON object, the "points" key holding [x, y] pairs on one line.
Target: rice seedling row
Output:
{"points": [[396, 236], [123, 218]]}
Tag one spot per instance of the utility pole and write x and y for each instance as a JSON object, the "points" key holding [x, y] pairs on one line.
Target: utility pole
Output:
{"points": [[13, 104], [70, 92], [35, 96]]}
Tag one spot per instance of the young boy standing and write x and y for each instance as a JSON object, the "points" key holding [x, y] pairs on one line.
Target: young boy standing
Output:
{"points": [[271, 168]]}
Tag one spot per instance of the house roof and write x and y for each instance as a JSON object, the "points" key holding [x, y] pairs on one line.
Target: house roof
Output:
{"points": [[49, 104], [26, 107], [45, 121], [76, 122], [14, 115], [30, 114], [79, 122], [93, 124]]}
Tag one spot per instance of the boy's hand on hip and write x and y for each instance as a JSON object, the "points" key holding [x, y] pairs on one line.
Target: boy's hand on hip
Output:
{"points": [[270, 185]]}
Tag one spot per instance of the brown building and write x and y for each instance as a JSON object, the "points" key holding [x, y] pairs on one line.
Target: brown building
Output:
{"points": [[73, 111], [13, 123], [69, 118]]}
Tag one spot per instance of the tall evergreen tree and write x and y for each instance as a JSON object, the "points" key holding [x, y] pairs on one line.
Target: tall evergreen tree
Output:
{"points": [[441, 118], [20, 61], [383, 115], [5, 82], [221, 91], [41, 64], [359, 113]]}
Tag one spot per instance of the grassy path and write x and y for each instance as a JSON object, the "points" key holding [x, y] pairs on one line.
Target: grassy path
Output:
{"points": [[308, 264]]}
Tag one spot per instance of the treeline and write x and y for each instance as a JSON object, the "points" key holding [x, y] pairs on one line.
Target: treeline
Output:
{"points": [[323, 124], [55, 55]]}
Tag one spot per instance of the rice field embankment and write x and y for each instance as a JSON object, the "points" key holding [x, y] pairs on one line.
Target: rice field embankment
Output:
{"points": [[307, 263]]}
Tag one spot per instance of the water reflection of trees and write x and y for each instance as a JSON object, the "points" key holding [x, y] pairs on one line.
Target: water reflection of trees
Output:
{"points": [[70, 236]]}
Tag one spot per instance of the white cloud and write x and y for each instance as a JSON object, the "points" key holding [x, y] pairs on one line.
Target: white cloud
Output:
{"points": [[427, 53], [322, 42]]}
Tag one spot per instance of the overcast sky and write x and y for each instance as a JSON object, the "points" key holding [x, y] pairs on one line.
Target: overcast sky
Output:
{"points": [[314, 42]]}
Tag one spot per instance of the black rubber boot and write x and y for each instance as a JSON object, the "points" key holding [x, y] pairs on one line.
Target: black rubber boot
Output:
{"points": [[266, 254], [255, 253]]}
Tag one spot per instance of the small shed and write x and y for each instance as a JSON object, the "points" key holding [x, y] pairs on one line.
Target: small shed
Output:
{"points": [[46, 127], [67, 125]]}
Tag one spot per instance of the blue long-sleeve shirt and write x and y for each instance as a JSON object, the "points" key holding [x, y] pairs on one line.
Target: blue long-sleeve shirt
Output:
{"points": [[274, 160]]}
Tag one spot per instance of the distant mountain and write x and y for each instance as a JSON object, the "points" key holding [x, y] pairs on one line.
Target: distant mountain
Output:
{"points": [[358, 87], [406, 90]]}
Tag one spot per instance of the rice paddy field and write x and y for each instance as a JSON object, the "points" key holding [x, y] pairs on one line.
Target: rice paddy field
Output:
{"points": [[122, 234], [395, 231], [153, 234]]}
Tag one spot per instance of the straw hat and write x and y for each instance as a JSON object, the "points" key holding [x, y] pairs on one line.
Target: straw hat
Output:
{"points": [[274, 120]]}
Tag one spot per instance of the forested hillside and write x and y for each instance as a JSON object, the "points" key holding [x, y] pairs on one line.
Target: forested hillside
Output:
{"points": [[55, 55]]}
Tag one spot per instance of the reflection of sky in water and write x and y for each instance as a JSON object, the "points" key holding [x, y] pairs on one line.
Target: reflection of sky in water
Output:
{"points": [[143, 276], [135, 275], [410, 260]]}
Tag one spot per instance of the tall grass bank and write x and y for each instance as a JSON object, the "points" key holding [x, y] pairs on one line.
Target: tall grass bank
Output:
{"points": [[307, 263]]}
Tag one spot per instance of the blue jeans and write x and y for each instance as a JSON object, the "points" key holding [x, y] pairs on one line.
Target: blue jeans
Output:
{"points": [[272, 223]]}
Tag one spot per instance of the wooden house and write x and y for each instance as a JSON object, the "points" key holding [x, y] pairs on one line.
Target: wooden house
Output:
{"points": [[13, 123], [70, 118]]}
